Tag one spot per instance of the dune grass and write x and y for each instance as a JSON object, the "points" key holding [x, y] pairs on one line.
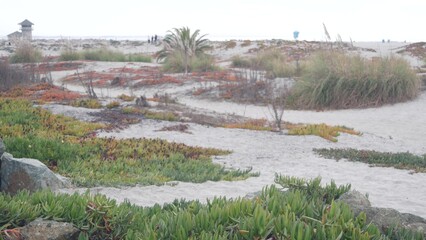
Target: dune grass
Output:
{"points": [[69, 147], [306, 211], [333, 80], [273, 62], [175, 63], [26, 53], [403, 160], [103, 54]]}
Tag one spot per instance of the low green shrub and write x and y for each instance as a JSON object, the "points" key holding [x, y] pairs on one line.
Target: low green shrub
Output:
{"points": [[126, 98], [103, 54], [240, 62], [312, 188], [386, 159], [274, 214], [113, 104], [175, 63], [26, 53], [273, 62], [230, 44], [139, 57], [333, 80], [166, 116], [246, 43], [71, 148], [70, 55], [87, 103]]}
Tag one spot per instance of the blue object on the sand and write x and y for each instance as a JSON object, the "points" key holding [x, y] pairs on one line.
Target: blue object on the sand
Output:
{"points": [[296, 34]]}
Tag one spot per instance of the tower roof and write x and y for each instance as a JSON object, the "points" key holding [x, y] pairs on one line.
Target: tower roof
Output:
{"points": [[15, 34], [26, 23]]}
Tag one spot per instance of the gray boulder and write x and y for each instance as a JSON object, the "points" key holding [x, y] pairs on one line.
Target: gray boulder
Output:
{"points": [[2, 147], [40, 229], [356, 200], [25, 173], [384, 218]]}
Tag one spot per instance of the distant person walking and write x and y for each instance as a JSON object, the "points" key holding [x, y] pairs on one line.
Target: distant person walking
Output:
{"points": [[152, 39], [155, 38]]}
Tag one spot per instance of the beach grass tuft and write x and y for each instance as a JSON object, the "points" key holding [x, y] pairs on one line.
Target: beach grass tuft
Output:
{"points": [[26, 53], [334, 80]]}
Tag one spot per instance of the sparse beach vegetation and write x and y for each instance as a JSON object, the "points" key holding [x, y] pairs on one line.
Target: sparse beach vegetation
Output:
{"points": [[305, 211], [70, 148], [404, 160], [113, 104], [86, 103], [126, 98], [103, 54], [273, 62], [175, 63]]}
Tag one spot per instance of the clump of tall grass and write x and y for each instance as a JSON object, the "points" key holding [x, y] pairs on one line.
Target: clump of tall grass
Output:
{"points": [[175, 63], [333, 80], [70, 55], [230, 44], [240, 62], [103, 54], [26, 53]]}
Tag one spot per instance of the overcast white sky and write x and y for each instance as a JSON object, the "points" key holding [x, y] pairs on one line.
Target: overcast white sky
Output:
{"points": [[361, 20]]}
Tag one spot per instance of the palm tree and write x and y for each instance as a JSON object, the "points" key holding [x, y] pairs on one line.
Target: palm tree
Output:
{"points": [[181, 41]]}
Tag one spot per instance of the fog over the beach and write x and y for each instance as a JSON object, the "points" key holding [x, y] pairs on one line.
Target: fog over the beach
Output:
{"points": [[362, 20]]}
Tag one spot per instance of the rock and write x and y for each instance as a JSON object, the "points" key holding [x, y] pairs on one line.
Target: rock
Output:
{"points": [[25, 173], [384, 218], [2, 147], [40, 229], [356, 200]]}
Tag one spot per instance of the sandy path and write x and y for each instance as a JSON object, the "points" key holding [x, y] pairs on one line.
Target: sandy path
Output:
{"points": [[404, 122], [270, 153]]}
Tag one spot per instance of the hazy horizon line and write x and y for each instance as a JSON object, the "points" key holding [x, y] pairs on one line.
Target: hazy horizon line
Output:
{"points": [[211, 38]]}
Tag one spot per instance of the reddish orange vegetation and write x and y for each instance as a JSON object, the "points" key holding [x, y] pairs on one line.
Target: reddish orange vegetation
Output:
{"points": [[216, 75], [143, 76], [43, 91], [254, 124], [199, 91], [52, 67]]}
